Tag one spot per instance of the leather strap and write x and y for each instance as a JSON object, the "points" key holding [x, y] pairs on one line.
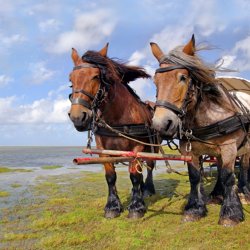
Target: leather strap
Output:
{"points": [[224, 127], [85, 65], [168, 105], [80, 101], [135, 130], [170, 68]]}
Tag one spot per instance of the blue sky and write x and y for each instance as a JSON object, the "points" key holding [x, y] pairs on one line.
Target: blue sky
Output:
{"points": [[36, 38]]}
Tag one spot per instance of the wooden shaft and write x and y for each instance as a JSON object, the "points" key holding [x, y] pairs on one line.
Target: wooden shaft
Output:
{"points": [[141, 155], [99, 160]]}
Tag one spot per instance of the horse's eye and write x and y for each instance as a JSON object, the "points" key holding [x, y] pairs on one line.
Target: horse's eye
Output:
{"points": [[182, 78], [71, 86], [97, 77]]}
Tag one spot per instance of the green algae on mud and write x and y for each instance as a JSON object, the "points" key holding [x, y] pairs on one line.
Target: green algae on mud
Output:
{"points": [[66, 212], [51, 167], [9, 170], [4, 193]]}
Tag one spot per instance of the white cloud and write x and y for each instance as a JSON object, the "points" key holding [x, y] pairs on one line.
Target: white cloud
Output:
{"points": [[239, 57], [43, 111], [227, 61], [143, 88], [40, 72], [5, 80], [205, 17], [9, 41], [89, 29], [136, 58], [49, 24], [243, 46]]}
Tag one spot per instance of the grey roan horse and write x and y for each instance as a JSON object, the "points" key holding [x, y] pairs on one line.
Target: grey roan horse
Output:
{"points": [[193, 107]]}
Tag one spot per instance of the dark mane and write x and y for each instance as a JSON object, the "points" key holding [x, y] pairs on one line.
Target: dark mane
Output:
{"points": [[116, 71]]}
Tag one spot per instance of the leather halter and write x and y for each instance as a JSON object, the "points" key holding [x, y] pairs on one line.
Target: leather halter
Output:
{"points": [[161, 103], [170, 68], [78, 100]]}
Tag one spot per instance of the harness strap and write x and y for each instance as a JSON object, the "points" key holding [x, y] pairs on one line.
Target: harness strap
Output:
{"points": [[224, 127], [169, 68], [85, 65], [135, 130], [80, 101], [168, 105]]}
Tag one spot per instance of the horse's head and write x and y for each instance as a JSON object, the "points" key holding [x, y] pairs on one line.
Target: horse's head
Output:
{"points": [[86, 80], [173, 83]]}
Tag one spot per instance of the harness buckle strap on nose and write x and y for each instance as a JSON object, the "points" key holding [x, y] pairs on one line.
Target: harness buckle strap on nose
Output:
{"points": [[91, 97], [80, 101], [168, 105]]}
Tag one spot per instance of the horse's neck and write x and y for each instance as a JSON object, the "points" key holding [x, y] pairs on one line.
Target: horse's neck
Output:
{"points": [[209, 112], [123, 108]]}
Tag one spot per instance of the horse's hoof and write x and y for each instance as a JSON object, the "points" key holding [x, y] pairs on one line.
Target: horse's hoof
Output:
{"points": [[215, 200], [135, 215], [245, 199], [111, 214], [226, 222], [190, 218]]}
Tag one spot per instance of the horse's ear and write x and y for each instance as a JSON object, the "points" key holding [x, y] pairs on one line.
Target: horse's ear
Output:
{"points": [[104, 50], [75, 57], [189, 48], [157, 52]]}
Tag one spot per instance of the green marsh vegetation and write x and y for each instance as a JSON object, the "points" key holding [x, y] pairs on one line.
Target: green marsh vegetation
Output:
{"points": [[66, 212], [9, 170]]}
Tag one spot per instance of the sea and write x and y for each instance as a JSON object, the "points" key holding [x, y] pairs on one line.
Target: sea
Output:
{"points": [[22, 156]]}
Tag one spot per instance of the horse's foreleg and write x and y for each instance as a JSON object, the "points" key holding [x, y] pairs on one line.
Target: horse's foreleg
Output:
{"points": [[137, 206], [243, 183], [231, 212], [196, 206], [148, 187], [113, 207], [216, 196]]}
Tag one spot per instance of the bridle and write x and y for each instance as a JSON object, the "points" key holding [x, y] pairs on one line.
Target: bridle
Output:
{"points": [[180, 112], [99, 96]]}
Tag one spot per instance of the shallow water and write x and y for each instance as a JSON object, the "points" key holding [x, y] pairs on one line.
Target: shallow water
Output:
{"points": [[38, 156]]}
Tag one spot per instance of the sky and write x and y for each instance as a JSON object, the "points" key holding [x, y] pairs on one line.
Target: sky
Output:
{"points": [[36, 38]]}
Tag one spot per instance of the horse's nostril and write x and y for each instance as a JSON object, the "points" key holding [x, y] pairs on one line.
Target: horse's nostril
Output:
{"points": [[84, 116], [169, 122]]}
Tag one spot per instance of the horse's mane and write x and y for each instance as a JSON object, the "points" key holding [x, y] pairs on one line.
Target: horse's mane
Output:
{"points": [[115, 70], [202, 73]]}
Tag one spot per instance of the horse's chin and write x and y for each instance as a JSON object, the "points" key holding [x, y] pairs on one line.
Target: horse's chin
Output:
{"points": [[167, 135], [81, 128]]}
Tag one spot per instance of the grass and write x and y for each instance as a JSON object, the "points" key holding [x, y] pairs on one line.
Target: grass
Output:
{"points": [[51, 167], [16, 185], [4, 194], [7, 170], [66, 212]]}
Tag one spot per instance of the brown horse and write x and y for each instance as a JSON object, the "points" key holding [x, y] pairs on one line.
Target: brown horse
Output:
{"points": [[100, 95], [193, 107]]}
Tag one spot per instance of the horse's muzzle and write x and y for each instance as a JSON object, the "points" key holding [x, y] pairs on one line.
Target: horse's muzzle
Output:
{"points": [[81, 122], [166, 128]]}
